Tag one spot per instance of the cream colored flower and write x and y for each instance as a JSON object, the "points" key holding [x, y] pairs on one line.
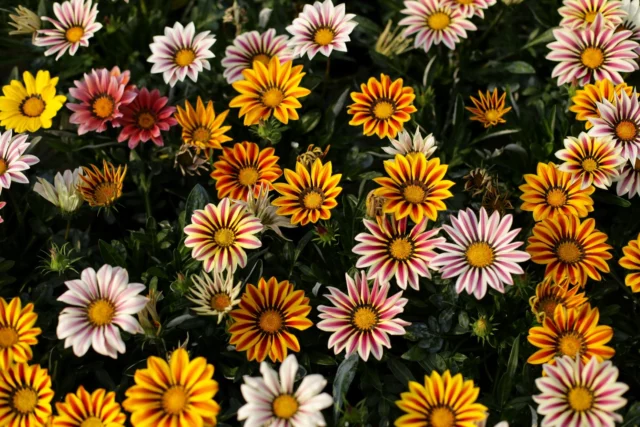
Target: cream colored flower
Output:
{"points": [[25, 22], [64, 192]]}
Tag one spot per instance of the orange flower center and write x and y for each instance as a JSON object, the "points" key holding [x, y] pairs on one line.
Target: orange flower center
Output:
{"points": [[491, 116], [224, 237], [323, 36], [465, 1], [580, 399], [413, 193], [92, 422], [101, 312], [248, 176], [570, 344], [74, 34], [479, 255], [589, 165], [24, 400], [383, 110], [174, 400], [220, 302], [626, 130], [365, 318], [569, 252], [438, 21], [105, 193], [592, 57], [270, 321], [184, 57], [401, 248], [202, 135], [556, 197], [313, 200], [272, 98], [589, 17], [33, 106], [103, 106], [8, 337], [285, 406], [146, 120], [442, 416], [263, 58], [3, 166]]}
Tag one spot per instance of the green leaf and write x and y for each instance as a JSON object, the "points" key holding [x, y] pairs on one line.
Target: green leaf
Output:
{"points": [[520, 67], [494, 135], [110, 255], [610, 199], [310, 120], [344, 376], [198, 199], [458, 110], [401, 372], [506, 382]]}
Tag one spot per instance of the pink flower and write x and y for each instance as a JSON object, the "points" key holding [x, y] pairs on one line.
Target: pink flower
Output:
{"points": [[145, 118], [620, 122], [470, 8], [13, 161]]}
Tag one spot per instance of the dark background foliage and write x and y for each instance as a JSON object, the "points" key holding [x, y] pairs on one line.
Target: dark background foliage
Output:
{"points": [[145, 234]]}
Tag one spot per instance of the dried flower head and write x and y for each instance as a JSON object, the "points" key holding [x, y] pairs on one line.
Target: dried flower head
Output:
{"points": [[392, 43], [260, 206], [191, 160], [308, 157], [477, 181], [374, 205], [24, 21], [497, 200]]}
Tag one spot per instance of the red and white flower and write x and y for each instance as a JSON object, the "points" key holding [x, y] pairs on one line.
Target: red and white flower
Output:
{"points": [[469, 8], [582, 13], [629, 179], [145, 118], [13, 161], [621, 122]]}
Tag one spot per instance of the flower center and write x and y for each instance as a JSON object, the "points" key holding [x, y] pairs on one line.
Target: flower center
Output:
{"points": [[401, 248], [101, 312], [146, 120], [548, 306], [580, 399], [174, 400], [491, 115], [184, 57], [626, 130], [220, 302], [589, 17], [592, 57], [25, 400], [364, 318], [313, 200], [414, 194], [589, 165], [323, 36], [262, 57], [442, 417], [8, 337], [248, 176], [202, 135], [285, 406], [224, 237], [103, 106], [556, 197], [105, 193], [383, 110], [465, 1], [270, 321], [33, 106], [92, 422], [570, 345], [479, 255], [569, 252], [438, 21], [3, 166], [272, 98], [74, 34]]}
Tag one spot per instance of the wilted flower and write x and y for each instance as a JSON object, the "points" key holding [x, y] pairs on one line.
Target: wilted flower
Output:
{"points": [[25, 22], [148, 316], [64, 192], [189, 161], [477, 181], [374, 205], [308, 157], [260, 206], [390, 43], [495, 200]]}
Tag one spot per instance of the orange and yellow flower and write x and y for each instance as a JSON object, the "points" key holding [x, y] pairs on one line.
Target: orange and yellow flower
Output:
{"points": [[102, 188], [551, 192], [201, 127], [243, 167], [84, 409], [17, 332], [414, 187], [489, 109], [25, 396], [550, 294], [382, 107], [631, 261], [264, 322], [268, 90], [585, 101]]}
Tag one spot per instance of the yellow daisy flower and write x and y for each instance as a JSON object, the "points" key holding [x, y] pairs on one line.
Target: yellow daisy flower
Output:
{"points": [[25, 396], [585, 101], [631, 261], [84, 409], [17, 332], [102, 188], [201, 127], [550, 294], [489, 109]]}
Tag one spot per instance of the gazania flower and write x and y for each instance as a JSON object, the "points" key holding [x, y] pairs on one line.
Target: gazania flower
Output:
{"points": [[469, 8], [580, 393], [435, 22], [261, 207], [389, 250], [407, 144], [100, 96], [482, 252], [214, 294], [550, 294], [64, 193], [631, 261], [582, 13], [571, 332], [218, 235], [414, 187], [321, 27], [442, 401], [629, 179], [245, 168], [25, 396], [570, 248], [382, 107], [551, 192], [201, 127], [74, 26], [631, 21], [32, 105], [13, 161], [102, 188], [621, 122], [271, 89], [308, 196], [99, 304], [178, 393], [585, 102], [17, 332], [25, 21], [593, 53], [190, 160], [272, 399], [84, 409], [489, 109], [145, 118], [362, 319], [180, 53], [591, 160], [266, 317]]}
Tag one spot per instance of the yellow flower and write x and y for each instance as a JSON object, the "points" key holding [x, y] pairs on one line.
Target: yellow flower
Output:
{"points": [[102, 188], [17, 332], [84, 409], [550, 294], [586, 99], [25, 396], [489, 109], [201, 127], [32, 105], [631, 261]]}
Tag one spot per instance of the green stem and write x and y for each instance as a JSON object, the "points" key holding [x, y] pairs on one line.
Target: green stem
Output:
{"points": [[66, 233]]}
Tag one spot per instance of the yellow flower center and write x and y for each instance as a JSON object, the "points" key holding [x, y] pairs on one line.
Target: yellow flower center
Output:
{"points": [[174, 400], [569, 252], [92, 422], [202, 135], [592, 57], [323, 36], [224, 237], [365, 318], [272, 98], [491, 115], [270, 321], [589, 165], [219, 302], [570, 344], [248, 176], [105, 193], [3, 166], [442, 417], [479, 255], [24, 400], [33, 106], [184, 57], [313, 200], [103, 106], [383, 110], [101, 312], [146, 120], [414, 194], [465, 1], [556, 197], [74, 34], [589, 17], [438, 21], [548, 306], [285, 406], [8, 337], [580, 399], [261, 57], [626, 130], [401, 248]]}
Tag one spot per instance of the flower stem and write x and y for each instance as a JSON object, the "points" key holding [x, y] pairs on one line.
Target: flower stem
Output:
{"points": [[66, 233]]}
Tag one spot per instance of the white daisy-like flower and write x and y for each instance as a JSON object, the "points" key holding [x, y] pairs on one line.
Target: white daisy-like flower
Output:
{"points": [[13, 161], [64, 192], [180, 52], [629, 179], [321, 27], [253, 46], [75, 25], [621, 122], [470, 7], [406, 144], [273, 401], [260, 206], [99, 304], [214, 293]]}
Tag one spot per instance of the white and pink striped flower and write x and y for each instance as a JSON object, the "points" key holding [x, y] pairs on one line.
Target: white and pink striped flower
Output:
{"points": [[100, 303], [390, 250], [180, 52], [575, 394], [594, 53], [434, 22], [253, 46], [75, 25], [13, 161], [482, 252], [469, 8], [582, 13], [631, 21], [621, 122], [629, 179], [362, 319]]}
